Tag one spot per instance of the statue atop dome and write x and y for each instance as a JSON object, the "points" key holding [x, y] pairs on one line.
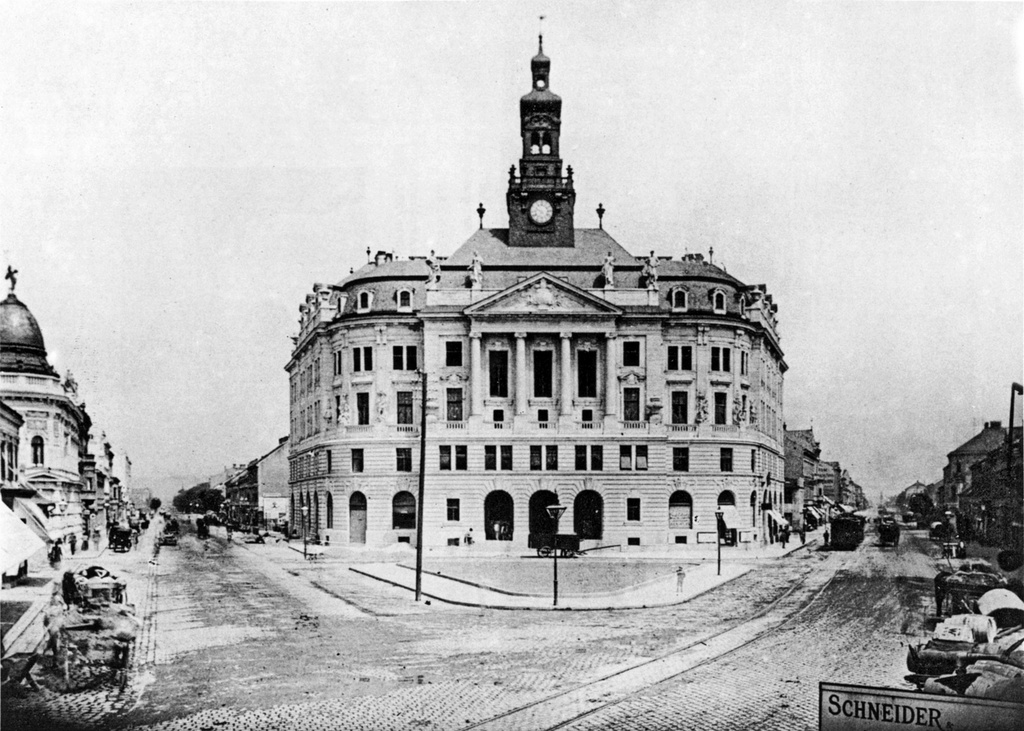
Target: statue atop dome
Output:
{"points": [[12, 274]]}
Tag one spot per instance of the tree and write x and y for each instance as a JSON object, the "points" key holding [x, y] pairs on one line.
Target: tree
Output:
{"points": [[921, 504], [199, 498], [155, 504]]}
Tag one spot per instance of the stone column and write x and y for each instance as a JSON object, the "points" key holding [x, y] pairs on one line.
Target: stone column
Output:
{"points": [[565, 397], [520, 373], [611, 385], [476, 405]]}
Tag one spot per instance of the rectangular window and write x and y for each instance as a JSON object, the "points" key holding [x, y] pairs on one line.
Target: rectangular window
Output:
{"points": [[631, 404], [357, 460], [499, 373], [403, 357], [404, 405], [454, 404], [337, 362], [680, 407], [368, 358], [453, 353], [490, 457], [498, 416], [586, 373], [753, 460], [725, 459], [357, 360], [581, 457], [744, 362], [461, 459], [330, 461], [542, 415], [716, 359], [625, 457], [506, 456], [444, 457], [542, 373], [721, 407], [726, 366], [551, 461], [363, 408], [681, 459], [641, 457], [403, 459], [632, 508], [673, 357], [631, 353], [535, 457], [597, 458], [453, 510], [686, 358]]}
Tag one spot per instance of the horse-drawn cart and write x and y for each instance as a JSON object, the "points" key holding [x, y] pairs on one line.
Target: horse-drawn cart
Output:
{"points": [[567, 544]]}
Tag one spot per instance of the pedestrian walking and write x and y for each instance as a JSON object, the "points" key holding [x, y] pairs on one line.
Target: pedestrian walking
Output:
{"points": [[57, 553], [73, 543], [826, 536], [784, 535], [803, 535], [680, 576]]}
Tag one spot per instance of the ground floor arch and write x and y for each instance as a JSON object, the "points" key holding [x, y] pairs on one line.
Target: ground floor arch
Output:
{"points": [[357, 518], [499, 519], [540, 521], [680, 510], [588, 515]]}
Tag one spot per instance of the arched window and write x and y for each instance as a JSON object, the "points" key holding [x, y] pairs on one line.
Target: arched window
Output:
{"points": [[718, 300], [364, 300], [37, 450], [329, 506], [404, 299], [753, 508], [546, 144], [403, 511], [726, 499], [680, 510], [291, 514], [534, 143], [316, 512], [679, 299]]}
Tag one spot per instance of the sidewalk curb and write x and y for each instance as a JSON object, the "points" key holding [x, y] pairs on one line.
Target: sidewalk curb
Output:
{"points": [[653, 605]]}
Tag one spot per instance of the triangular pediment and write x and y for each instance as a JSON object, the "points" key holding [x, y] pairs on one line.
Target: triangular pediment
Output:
{"points": [[543, 294]]}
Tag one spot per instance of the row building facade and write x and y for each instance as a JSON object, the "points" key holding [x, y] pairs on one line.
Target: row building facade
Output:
{"points": [[643, 393]]}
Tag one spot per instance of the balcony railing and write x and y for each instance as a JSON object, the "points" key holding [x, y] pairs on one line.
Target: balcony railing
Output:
{"points": [[683, 427], [455, 424], [634, 425]]}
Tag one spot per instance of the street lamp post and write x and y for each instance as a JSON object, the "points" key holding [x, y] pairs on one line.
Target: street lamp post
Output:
{"points": [[718, 532], [555, 511], [305, 512]]}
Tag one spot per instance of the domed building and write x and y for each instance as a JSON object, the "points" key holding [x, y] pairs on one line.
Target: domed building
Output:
{"points": [[644, 393], [49, 492]]}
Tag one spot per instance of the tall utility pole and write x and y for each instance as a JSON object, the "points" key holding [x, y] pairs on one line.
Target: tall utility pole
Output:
{"points": [[419, 499]]}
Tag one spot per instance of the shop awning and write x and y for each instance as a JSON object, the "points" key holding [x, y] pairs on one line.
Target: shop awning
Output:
{"points": [[777, 518], [34, 518], [813, 512], [17, 541]]}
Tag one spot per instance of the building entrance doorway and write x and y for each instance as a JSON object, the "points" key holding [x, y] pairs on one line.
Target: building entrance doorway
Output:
{"points": [[588, 515], [540, 522], [498, 523], [357, 518]]}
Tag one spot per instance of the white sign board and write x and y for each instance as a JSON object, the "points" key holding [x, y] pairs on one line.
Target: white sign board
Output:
{"points": [[863, 708]]}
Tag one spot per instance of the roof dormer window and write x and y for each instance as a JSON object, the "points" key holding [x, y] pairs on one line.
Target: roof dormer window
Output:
{"points": [[679, 299], [718, 301], [364, 302], [404, 298]]}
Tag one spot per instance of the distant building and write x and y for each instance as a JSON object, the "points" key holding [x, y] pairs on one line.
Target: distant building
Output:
{"points": [[803, 452], [272, 485], [992, 507], [54, 435], [956, 475]]}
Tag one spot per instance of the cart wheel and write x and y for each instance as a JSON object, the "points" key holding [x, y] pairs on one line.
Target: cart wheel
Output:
{"points": [[544, 551]]}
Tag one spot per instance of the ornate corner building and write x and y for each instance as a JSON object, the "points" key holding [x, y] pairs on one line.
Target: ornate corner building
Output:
{"points": [[643, 393]]}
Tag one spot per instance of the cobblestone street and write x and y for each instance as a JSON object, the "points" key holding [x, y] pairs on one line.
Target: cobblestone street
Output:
{"points": [[254, 637]]}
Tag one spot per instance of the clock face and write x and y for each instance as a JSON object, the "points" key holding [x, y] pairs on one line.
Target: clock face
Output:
{"points": [[541, 211]]}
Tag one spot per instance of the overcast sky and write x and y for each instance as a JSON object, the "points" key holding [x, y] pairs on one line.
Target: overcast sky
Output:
{"points": [[175, 177]]}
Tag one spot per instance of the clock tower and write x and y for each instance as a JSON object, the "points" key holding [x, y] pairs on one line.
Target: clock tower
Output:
{"points": [[540, 200]]}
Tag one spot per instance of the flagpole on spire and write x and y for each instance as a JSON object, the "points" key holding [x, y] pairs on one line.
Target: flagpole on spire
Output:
{"points": [[540, 35]]}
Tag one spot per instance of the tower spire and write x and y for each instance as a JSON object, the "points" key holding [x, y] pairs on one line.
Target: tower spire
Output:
{"points": [[540, 37]]}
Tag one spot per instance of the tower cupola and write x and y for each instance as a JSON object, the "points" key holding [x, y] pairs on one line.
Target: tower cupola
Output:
{"points": [[540, 199]]}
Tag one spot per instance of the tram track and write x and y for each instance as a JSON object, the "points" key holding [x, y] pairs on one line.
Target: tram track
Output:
{"points": [[565, 708]]}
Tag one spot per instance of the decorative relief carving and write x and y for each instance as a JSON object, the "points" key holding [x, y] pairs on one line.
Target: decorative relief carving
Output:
{"points": [[632, 377], [702, 408]]}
